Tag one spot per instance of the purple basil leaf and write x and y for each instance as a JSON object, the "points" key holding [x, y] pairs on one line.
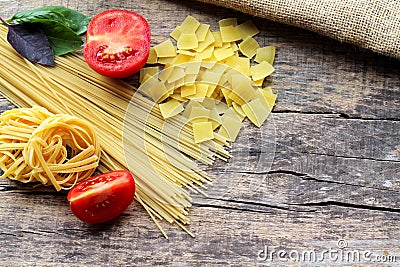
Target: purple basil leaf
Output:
{"points": [[31, 43]]}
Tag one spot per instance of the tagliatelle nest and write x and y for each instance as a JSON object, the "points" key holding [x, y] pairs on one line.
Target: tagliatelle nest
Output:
{"points": [[53, 149]]}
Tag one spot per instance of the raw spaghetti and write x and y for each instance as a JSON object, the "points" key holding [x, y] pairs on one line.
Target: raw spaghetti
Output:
{"points": [[53, 149], [135, 134]]}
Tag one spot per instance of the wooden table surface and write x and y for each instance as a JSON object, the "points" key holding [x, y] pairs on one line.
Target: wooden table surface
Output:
{"points": [[330, 196]]}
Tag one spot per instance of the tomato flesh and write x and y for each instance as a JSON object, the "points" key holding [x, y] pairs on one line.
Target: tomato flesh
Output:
{"points": [[102, 197], [117, 43]]}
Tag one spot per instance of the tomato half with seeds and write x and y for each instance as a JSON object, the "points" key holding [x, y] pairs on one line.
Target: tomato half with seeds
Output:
{"points": [[102, 197], [117, 43]]}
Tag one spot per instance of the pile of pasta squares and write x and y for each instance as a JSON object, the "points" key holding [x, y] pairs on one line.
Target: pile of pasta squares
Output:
{"points": [[213, 78]]}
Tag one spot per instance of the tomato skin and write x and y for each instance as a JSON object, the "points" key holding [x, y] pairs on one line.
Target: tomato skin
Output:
{"points": [[102, 197], [122, 34]]}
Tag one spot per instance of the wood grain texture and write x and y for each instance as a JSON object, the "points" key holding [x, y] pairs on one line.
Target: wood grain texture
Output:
{"points": [[325, 168]]}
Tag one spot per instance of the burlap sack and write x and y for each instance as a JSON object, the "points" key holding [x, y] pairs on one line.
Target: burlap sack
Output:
{"points": [[371, 24]]}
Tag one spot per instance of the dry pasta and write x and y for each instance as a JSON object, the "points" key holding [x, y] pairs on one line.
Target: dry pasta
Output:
{"points": [[53, 149], [131, 130]]}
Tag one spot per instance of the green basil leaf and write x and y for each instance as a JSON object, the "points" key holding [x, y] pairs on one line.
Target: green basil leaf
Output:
{"points": [[72, 19], [62, 39], [33, 16], [79, 20]]}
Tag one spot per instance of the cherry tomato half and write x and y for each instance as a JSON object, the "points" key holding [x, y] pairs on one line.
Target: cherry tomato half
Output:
{"points": [[102, 197], [117, 43]]}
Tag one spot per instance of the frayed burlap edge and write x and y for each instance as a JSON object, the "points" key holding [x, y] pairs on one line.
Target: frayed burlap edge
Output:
{"points": [[371, 24]]}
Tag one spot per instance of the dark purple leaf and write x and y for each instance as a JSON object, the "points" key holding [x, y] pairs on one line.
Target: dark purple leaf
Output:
{"points": [[31, 43]]}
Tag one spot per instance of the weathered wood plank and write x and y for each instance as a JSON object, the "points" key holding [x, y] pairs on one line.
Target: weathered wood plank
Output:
{"points": [[321, 146], [329, 77], [224, 235]]}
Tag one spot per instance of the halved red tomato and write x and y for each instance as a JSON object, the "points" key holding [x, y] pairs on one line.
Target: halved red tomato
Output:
{"points": [[117, 43], [102, 197]]}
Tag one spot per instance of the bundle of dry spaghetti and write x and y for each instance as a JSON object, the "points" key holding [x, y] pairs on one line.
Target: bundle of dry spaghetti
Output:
{"points": [[53, 149], [129, 132]]}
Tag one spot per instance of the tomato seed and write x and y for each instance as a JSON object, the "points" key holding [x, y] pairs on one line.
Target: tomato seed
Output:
{"points": [[103, 56]]}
